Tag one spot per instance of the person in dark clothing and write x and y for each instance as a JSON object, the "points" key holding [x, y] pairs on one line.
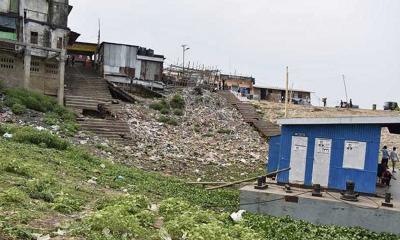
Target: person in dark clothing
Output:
{"points": [[73, 60], [387, 176], [385, 156]]}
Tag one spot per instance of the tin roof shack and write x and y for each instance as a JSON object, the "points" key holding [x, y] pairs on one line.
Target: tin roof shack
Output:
{"points": [[235, 83], [276, 94], [33, 37], [120, 62], [330, 151]]}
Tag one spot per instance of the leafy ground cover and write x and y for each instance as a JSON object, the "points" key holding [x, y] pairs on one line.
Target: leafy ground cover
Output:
{"points": [[45, 189], [19, 100]]}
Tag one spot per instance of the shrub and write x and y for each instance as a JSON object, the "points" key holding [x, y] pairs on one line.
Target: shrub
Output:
{"points": [[156, 106], [165, 111], [1, 86], [177, 102], [51, 119], [67, 205], [18, 167], [18, 109], [41, 189], [31, 100], [43, 138], [178, 112], [225, 131], [168, 120], [14, 195], [124, 217], [161, 106]]}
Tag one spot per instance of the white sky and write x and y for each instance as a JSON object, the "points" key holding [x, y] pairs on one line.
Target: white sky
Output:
{"points": [[318, 39]]}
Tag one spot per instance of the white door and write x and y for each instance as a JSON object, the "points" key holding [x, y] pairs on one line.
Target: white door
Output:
{"points": [[322, 160], [298, 158]]}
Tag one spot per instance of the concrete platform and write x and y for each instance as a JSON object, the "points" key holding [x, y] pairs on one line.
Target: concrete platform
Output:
{"points": [[329, 210]]}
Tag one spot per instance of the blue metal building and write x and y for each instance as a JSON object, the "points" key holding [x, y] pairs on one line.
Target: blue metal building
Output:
{"points": [[330, 151]]}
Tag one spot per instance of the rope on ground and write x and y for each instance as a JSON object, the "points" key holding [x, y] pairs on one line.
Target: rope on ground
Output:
{"points": [[356, 205]]}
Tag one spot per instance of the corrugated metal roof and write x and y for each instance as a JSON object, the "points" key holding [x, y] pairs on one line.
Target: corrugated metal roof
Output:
{"points": [[341, 120], [281, 89]]}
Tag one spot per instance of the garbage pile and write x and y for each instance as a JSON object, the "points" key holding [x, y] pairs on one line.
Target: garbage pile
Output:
{"points": [[210, 139]]}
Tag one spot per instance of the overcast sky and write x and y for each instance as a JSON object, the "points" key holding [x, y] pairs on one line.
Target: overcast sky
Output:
{"points": [[318, 39]]}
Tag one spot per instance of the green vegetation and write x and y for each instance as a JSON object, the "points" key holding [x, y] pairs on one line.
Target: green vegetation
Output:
{"points": [[18, 109], [177, 102], [178, 112], [19, 100], [37, 184], [168, 120], [33, 136], [165, 111], [225, 131], [103, 147]]}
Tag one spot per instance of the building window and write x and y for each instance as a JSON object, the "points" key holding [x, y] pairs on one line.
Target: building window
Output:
{"points": [[34, 37], [59, 42]]}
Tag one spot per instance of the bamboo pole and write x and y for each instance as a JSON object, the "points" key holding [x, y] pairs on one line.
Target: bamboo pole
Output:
{"points": [[248, 179]]}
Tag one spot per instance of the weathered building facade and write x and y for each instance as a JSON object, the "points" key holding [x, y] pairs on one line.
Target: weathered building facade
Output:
{"points": [[121, 62], [276, 94], [33, 38], [237, 83]]}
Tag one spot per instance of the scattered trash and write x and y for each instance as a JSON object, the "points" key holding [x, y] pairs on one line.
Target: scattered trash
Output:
{"points": [[83, 142], [60, 232], [237, 216], [102, 165], [40, 128], [92, 181], [7, 136], [107, 233], [45, 237], [119, 178], [209, 133], [55, 128], [154, 207]]}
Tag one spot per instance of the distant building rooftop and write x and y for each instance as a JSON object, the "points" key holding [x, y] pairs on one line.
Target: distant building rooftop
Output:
{"points": [[282, 89], [393, 123]]}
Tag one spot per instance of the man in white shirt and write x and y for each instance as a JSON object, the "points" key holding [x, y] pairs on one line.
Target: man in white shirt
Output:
{"points": [[394, 157]]}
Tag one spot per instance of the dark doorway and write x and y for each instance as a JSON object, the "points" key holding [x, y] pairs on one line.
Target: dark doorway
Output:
{"points": [[263, 95]]}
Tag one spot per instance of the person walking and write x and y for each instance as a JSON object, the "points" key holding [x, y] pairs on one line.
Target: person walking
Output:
{"points": [[394, 157], [385, 156]]}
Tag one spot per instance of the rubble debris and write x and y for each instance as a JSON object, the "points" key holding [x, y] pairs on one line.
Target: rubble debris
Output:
{"points": [[209, 135]]}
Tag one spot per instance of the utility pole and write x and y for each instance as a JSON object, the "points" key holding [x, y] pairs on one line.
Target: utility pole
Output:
{"points": [[184, 49], [286, 92], [345, 89]]}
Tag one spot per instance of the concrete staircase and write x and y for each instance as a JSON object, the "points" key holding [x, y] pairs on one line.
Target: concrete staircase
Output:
{"points": [[84, 91], [250, 115], [114, 130]]}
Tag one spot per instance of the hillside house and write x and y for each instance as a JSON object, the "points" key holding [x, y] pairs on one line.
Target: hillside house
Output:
{"points": [[33, 38], [121, 63], [276, 94]]}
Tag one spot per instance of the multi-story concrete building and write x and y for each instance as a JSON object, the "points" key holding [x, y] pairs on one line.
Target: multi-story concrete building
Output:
{"points": [[33, 39]]}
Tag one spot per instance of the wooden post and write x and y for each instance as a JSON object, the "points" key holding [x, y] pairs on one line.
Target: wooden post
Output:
{"points": [[286, 92]]}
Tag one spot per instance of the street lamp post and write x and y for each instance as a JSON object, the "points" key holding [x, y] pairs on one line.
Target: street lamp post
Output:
{"points": [[184, 49]]}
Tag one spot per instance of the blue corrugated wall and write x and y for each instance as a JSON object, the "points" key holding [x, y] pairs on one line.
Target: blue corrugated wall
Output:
{"points": [[365, 180], [273, 154]]}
